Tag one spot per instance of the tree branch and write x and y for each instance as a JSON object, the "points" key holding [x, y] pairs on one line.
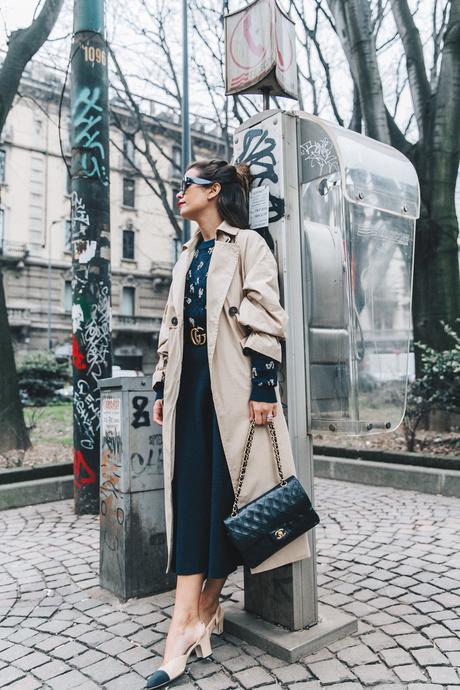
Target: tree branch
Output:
{"points": [[353, 21], [22, 46], [446, 126], [415, 63]]}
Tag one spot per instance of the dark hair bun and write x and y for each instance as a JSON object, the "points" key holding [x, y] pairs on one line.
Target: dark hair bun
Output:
{"points": [[244, 175], [235, 181]]}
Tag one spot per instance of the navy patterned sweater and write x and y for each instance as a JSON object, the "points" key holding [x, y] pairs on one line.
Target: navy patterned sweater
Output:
{"points": [[264, 370]]}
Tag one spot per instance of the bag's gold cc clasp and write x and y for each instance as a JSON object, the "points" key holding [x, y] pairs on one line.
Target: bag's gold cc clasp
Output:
{"points": [[280, 533], [198, 338]]}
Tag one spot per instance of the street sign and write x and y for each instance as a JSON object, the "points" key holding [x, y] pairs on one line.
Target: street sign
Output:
{"points": [[260, 51]]}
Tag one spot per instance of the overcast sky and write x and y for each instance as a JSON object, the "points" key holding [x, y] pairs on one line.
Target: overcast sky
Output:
{"points": [[16, 14]]}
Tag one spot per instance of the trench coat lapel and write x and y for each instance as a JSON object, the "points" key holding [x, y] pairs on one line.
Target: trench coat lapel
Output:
{"points": [[178, 283], [222, 267]]}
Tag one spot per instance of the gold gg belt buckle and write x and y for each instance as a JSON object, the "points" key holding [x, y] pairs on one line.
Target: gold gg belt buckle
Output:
{"points": [[198, 335]]}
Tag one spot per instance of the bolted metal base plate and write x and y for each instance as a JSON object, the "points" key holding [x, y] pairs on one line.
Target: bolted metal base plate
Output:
{"points": [[288, 645]]}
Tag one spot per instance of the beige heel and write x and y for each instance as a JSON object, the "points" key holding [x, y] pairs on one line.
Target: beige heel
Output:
{"points": [[219, 621], [176, 667], [216, 624], [203, 648]]}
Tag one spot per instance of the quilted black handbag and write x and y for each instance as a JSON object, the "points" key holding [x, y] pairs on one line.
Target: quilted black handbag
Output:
{"points": [[274, 519]]}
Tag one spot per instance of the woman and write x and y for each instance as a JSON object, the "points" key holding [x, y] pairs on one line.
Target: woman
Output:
{"points": [[219, 349]]}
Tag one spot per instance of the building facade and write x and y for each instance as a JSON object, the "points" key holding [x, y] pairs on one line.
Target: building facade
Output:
{"points": [[35, 237]]}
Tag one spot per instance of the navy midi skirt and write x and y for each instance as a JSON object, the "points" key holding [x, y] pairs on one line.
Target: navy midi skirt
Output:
{"points": [[202, 489]]}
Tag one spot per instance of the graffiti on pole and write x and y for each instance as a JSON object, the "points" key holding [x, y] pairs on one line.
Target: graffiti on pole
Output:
{"points": [[87, 116], [90, 223]]}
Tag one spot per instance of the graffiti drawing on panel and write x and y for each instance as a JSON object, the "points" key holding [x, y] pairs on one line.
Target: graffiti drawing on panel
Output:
{"points": [[320, 154], [259, 152]]}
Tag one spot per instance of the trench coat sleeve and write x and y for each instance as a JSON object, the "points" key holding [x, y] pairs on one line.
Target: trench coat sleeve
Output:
{"points": [[162, 349], [260, 311]]}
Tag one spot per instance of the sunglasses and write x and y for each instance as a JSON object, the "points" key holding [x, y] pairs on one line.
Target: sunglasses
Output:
{"points": [[187, 181]]}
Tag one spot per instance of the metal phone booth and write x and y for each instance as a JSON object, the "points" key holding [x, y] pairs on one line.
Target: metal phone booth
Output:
{"points": [[342, 211]]}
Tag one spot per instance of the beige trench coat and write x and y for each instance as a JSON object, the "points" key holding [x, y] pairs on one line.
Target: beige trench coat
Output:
{"points": [[243, 274]]}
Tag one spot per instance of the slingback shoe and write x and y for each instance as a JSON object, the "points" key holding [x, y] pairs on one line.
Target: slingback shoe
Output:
{"points": [[216, 624], [176, 667]]}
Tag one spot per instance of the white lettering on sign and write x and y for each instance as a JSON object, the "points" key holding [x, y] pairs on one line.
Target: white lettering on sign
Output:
{"points": [[258, 207], [111, 415]]}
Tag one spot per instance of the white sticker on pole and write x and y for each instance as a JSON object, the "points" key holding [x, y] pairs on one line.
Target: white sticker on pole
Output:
{"points": [[111, 415], [258, 207]]}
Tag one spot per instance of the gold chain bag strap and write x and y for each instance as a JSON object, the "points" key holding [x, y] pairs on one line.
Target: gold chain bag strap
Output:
{"points": [[274, 519], [244, 462]]}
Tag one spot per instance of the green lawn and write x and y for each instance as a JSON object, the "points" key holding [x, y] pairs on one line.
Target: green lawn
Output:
{"points": [[53, 424]]}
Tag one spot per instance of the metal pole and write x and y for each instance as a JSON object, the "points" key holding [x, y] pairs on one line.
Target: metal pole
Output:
{"points": [[266, 99], [49, 286], [91, 300], [186, 145]]}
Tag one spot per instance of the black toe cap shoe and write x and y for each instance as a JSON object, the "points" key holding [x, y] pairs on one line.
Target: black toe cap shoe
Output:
{"points": [[158, 680]]}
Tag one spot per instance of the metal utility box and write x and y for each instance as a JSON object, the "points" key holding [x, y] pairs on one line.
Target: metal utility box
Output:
{"points": [[132, 524]]}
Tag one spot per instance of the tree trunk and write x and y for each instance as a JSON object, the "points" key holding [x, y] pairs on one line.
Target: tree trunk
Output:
{"points": [[436, 290], [22, 46], [437, 280], [13, 432]]}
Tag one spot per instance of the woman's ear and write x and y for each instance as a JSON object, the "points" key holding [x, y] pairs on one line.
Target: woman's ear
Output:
{"points": [[214, 190]]}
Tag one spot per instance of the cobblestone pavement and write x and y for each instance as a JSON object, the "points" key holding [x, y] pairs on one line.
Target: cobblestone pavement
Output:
{"points": [[390, 557]]}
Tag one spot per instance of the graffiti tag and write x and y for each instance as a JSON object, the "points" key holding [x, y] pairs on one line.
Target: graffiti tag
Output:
{"points": [[320, 154], [140, 413], [86, 115]]}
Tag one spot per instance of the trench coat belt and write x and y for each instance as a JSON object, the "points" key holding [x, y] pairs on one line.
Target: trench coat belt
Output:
{"points": [[197, 335]]}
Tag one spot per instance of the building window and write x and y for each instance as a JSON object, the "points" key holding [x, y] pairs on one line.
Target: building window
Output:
{"points": [[68, 182], [2, 229], [68, 236], [2, 165], [177, 159], [127, 307], [128, 244], [128, 192], [68, 295], [128, 148]]}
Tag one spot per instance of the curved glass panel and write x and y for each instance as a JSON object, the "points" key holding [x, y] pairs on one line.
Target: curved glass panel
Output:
{"points": [[377, 175], [357, 280]]}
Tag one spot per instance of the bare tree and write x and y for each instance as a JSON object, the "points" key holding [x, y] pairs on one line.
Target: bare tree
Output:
{"points": [[155, 128], [22, 46], [435, 155]]}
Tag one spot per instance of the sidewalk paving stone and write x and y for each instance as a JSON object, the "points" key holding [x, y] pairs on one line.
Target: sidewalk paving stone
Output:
{"points": [[330, 671], [51, 669], [395, 565], [9, 674], [429, 656], [409, 672], [444, 675], [253, 677], [31, 661], [291, 673], [68, 681], [28, 683], [370, 674]]}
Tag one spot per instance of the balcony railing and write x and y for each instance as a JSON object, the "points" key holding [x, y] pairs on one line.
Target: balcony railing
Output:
{"points": [[137, 324], [13, 252], [19, 316], [161, 272]]}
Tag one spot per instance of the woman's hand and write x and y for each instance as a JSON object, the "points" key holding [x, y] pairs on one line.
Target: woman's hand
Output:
{"points": [[260, 410], [158, 412]]}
